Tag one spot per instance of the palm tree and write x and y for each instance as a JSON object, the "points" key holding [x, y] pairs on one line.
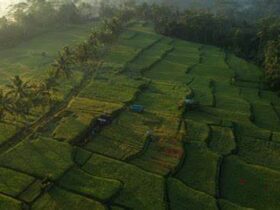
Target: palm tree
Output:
{"points": [[22, 107], [18, 88], [68, 54], [94, 45], [41, 94], [2, 105], [113, 26], [7, 105], [93, 39], [51, 81], [61, 67], [82, 52]]}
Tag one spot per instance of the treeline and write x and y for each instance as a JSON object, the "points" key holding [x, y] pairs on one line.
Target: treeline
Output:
{"points": [[27, 19], [258, 41]]}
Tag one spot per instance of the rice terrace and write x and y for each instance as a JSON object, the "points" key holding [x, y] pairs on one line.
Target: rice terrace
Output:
{"points": [[134, 105]]}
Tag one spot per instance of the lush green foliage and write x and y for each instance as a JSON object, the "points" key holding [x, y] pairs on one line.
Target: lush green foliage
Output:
{"points": [[28, 19]]}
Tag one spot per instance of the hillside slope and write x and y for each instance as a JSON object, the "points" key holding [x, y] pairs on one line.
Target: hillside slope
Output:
{"points": [[224, 154]]}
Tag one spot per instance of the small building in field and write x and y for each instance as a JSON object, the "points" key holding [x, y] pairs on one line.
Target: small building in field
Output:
{"points": [[137, 108]]}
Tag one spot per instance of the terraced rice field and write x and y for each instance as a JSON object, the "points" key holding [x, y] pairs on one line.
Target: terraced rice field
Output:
{"points": [[223, 155]]}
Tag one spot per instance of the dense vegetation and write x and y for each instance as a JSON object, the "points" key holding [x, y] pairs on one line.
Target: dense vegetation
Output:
{"points": [[28, 19], [227, 27]]}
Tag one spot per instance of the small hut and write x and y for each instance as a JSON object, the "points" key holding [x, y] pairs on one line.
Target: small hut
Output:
{"points": [[137, 108], [191, 104]]}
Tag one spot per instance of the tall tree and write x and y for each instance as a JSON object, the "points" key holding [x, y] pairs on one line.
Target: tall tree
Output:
{"points": [[62, 67], [18, 88]]}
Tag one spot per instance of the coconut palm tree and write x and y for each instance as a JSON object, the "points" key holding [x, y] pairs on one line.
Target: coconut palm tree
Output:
{"points": [[41, 95], [18, 88], [67, 54], [83, 52], [113, 25], [61, 67], [3, 105], [51, 82]]}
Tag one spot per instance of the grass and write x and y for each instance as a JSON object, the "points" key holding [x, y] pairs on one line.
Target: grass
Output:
{"points": [[9, 203], [168, 72], [149, 57], [251, 130], [12, 183], [125, 137], [141, 40], [90, 106], [235, 105], [226, 89], [199, 168], [233, 116], [83, 183], [187, 48], [111, 91], [120, 55], [26, 59], [58, 198], [163, 98], [116, 208], [226, 205], [84, 112], [32, 192], [81, 156], [245, 71], [222, 140], [69, 128], [276, 137], [259, 152], [178, 166], [182, 197], [162, 156], [266, 117], [196, 131], [141, 190], [202, 91], [270, 97], [249, 185], [250, 94], [7, 131], [203, 117], [164, 151], [184, 56], [40, 158]]}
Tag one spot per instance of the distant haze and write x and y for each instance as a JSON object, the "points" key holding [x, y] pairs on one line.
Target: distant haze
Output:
{"points": [[4, 4]]}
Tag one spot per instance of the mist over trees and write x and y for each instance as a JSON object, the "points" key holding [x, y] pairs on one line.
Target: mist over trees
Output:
{"points": [[27, 19]]}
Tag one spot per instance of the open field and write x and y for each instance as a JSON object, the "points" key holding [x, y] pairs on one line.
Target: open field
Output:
{"points": [[32, 58], [222, 154]]}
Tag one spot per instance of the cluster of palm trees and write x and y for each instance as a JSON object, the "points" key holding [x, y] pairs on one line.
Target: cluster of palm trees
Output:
{"points": [[20, 97], [89, 51]]}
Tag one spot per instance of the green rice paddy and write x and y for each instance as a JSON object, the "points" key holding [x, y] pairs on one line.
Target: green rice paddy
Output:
{"points": [[223, 154]]}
